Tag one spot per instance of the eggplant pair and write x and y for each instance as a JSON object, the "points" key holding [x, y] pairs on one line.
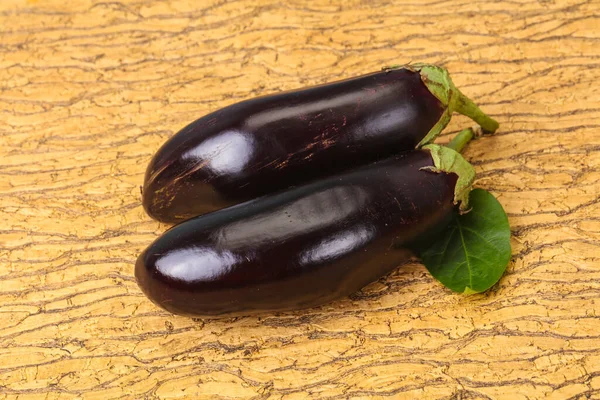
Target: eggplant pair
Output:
{"points": [[303, 197]]}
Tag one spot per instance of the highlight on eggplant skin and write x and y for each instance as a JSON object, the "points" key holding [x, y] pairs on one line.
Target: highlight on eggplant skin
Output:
{"points": [[302, 247], [266, 144]]}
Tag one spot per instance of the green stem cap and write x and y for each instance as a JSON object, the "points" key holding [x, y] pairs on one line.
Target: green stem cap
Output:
{"points": [[449, 161], [439, 83]]}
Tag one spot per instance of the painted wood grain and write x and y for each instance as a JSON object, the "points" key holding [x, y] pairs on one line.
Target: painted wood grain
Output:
{"points": [[89, 90]]}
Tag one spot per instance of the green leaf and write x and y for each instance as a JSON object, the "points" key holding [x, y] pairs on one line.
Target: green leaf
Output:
{"points": [[472, 252]]}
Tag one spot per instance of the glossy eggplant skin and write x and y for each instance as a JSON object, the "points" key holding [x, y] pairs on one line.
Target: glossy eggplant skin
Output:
{"points": [[302, 247], [271, 143]]}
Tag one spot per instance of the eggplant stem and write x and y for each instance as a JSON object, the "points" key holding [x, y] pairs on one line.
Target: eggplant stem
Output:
{"points": [[461, 139], [465, 106]]}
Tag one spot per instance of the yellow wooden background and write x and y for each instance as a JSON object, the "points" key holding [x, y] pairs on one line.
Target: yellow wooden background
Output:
{"points": [[89, 90]]}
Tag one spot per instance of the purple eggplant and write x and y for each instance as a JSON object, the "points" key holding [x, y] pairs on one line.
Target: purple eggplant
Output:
{"points": [[267, 144], [309, 245]]}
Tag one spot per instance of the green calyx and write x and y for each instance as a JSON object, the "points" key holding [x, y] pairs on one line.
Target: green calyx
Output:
{"points": [[449, 161], [439, 83]]}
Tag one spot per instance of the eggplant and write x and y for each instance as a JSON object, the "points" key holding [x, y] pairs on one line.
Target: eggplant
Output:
{"points": [[270, 143], [309, 245]]}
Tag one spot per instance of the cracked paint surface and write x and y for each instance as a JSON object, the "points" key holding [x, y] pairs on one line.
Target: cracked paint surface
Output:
{"points": [[92, 89]]}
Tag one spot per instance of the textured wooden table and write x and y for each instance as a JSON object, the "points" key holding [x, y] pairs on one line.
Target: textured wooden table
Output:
{"points": [[89, 90]]}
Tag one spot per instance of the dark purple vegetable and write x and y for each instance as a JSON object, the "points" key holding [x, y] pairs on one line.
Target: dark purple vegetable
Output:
{"points": [[305, 246], [270, 143]]}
